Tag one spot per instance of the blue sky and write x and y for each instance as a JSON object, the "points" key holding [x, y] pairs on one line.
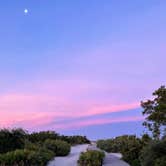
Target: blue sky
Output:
{"points": [[83, 63]]}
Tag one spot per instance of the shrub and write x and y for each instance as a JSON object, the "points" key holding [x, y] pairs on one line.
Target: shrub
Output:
{"points": [[42, 136], [12, 139], [60, 148], [75, 140], [135, 162], [91, 158], [154, 154], [161, 161], [107, 145], [40, 157], [26, 157], [32, 146], [14, 157], [129, 145]]}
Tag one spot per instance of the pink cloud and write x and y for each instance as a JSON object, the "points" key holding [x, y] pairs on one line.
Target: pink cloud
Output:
{"points": [[34, 111], [111, 108], [84, 123]]}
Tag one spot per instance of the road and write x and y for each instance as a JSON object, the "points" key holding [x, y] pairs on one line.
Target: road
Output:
{"points": [[71, 159]]}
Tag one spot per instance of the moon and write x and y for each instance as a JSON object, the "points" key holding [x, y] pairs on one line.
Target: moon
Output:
{"points": [[26, 11]]}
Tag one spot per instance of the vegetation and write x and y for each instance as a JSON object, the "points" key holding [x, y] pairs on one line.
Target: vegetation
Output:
{"points": [[44, 135], [145, 151], [155, 111], [12, 139], [19, 148], [154, 154], [60, 148], [75, 140], [91, 158], [129, 146], [26, 157]]}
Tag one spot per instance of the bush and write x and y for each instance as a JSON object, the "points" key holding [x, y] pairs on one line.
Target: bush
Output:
{"points": [[26, 157], [107, 145], [42, 136], [161, 161], [40, 157], [91, 158], [14, 157], [154, 154], [135, 162], [75, 140], [31, 146], [129, 145], [11, 140], [60, 148]]}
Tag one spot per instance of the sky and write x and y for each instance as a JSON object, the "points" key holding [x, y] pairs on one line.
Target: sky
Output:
{"points": [[80, 66]]}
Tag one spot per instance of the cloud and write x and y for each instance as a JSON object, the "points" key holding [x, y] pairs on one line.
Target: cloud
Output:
{"points": [[84, 123], [36, 111]]}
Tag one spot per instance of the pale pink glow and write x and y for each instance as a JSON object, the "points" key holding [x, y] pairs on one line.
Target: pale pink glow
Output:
{"points": [[33, 111], [111, 108], [16, 108]]}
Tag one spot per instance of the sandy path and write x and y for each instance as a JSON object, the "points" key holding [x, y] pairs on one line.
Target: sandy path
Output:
{"points": [[71, 159], [113, 159]]}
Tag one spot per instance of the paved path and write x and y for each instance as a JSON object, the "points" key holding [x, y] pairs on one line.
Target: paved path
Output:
{"points": [[71, 159]]}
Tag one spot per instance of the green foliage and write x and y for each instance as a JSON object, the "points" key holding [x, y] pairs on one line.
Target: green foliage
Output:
{"points": [[129, 146], [91, 158], [12, 139], [135, 162], [42, 136], [161, 161], [75, 140], [60, 148], [108, 145], [32, 146], [155, 111], [26, 157], [146, 139], [18, 147], [40, 157], [10, 158], [154, 154]]}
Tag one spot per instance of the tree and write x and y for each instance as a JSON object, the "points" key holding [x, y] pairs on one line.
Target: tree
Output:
{"points": [[155, 112]]}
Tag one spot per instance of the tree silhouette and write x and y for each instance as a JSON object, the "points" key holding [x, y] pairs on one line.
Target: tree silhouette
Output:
{"points": [[155, 112]]}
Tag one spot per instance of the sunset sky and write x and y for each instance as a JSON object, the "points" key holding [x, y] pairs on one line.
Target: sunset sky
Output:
{"points": [[80, 66]]}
